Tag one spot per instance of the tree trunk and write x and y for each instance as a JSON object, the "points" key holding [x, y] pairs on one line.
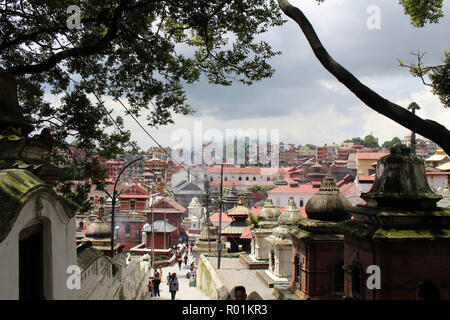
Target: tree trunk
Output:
{"points": [[427, 128]]}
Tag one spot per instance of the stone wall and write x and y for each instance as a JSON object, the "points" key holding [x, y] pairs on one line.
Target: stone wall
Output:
{"points": [[128, 283], [208, 280]]}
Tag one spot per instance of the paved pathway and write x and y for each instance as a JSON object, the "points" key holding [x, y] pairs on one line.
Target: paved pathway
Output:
{"points": [[185, 292], [233, 273]]}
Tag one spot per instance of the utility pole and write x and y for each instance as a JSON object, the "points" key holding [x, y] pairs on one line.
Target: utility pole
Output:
{"points": [[219, 238], [206, 201], [413, 107], [153, 237], [114, 196]]}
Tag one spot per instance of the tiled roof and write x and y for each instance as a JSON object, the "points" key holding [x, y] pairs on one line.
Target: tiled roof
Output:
{"points": [[242, 183], [348, 189], [445, 166], [437, 157], [238, 170], [438, 173], [159, 226], [301, 189], [366, 178], [215, 217], [174, 207], [234, 228], [133, 196], [370, 155]]}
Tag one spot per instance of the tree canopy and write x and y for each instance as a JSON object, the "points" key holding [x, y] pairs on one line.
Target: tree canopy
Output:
{"points": [[390, 144], [141, 51], [144, 51]]}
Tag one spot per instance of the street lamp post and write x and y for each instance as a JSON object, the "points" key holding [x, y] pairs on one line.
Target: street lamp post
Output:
{"points": [[219, 238], [114, 196], [413, 107]]}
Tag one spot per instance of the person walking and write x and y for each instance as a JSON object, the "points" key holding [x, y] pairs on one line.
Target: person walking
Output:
{"points": [[185, 259], [180, 261], [174, 285], [169, 277], [150, 287], [156, 282]]}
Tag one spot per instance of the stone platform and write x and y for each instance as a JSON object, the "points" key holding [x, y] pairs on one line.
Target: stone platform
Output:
{"points": [[271, 281], [253, 264]]}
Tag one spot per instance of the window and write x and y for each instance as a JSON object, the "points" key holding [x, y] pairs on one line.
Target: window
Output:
{"points": [[254, 178], [301, 203], [268, 178], [246, 178], [211, 179], [132, 205], [127, 230], [240, 178], [225, 178]]}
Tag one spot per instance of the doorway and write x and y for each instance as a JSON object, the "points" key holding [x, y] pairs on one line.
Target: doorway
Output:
{"points": [[31, 269]]}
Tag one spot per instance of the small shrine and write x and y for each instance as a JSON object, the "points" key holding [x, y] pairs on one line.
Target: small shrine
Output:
{"points": [[280, 245], [400, 231], [318, 243], [239, 214], [268, 221], [99, 234], [194, 221], [206, 243], [230, 198]]}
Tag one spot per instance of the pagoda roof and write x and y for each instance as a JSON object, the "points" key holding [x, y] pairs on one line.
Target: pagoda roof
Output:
{"points": [[234, 228]]}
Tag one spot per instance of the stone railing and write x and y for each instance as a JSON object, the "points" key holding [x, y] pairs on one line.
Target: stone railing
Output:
{"points": [[209, 282]]}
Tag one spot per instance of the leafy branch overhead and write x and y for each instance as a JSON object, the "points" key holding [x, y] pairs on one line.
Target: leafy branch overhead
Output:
{"points": [[141, 51]]}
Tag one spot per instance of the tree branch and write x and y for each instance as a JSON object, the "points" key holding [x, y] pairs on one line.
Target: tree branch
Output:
{"points": [[78, 51], [427, 128]]}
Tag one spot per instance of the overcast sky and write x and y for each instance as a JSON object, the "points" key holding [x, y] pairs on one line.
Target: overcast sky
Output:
{"points": [[302, 100]]}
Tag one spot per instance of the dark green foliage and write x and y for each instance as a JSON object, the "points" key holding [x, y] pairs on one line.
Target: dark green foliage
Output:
{"points": [[422, 11], [370, 142], [253, 221], [392, 143], [141, 51]]}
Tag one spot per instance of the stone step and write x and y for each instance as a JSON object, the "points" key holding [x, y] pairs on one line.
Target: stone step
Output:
{"points": [[251, 264], [268, 281]]}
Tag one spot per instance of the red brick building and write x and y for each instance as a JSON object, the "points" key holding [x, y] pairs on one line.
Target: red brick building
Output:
{"points": [[326, 154], [166, 208], [133, 198], [113, 168]]}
